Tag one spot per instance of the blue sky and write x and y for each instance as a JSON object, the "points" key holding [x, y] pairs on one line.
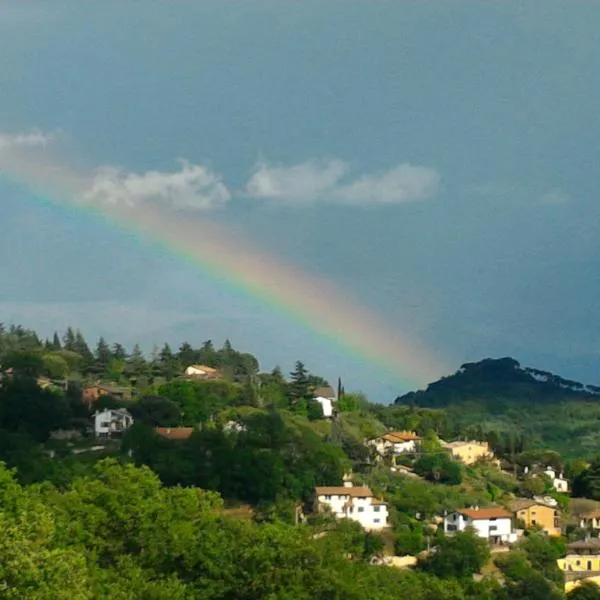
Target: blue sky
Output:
{"points": [[486, 245]]}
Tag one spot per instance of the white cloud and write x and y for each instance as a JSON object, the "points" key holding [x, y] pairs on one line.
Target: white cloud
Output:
{"points": [[305, 182], [326, 182], [30, 139], [401, 184], [193, 187]]}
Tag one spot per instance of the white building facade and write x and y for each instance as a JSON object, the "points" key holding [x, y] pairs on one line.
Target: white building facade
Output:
{"points": [[395, 443], [354, 503], [111, 422], [558, 481], [325, 396], [493, 524]]}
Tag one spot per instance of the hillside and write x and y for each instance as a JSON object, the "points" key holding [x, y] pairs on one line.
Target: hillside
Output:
{"points": [[500, 395], [490, 378]]}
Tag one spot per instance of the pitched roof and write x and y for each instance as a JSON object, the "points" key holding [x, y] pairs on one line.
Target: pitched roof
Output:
{"points": [[340, 490], [591, 544], [477, 514], [396, 437], [521, 504], [592, 514], [204, 368], [324, 392], [175, 433]]}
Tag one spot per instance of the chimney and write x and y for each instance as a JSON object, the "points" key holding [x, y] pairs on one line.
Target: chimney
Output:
{"points": [[348, 484]]}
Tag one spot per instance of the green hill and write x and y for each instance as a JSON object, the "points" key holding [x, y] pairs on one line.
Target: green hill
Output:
{"points": [[500, 395]]}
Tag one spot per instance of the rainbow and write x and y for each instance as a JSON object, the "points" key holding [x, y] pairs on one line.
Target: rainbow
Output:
{"points": [[231, 259]]}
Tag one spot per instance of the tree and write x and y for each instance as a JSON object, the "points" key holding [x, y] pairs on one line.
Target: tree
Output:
{"points": [[460, 556], [187, 355], [103, 356], [587, 483], [80, 346], [69, 340], [157, 412], [56, 342], [299, 386], [440, 468], [585, 591], [119, 352]]}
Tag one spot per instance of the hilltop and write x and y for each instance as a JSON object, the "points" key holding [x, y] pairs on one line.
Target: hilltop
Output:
{"points": [[502, 395], [499, 377]]}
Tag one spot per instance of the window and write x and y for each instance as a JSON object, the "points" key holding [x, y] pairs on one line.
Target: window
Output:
{"points": [[493, 528], [361, 509], [577, 562], [493, 519], [589, 565], [556, 522], [327, 497], [375, 520], [376, 509]]}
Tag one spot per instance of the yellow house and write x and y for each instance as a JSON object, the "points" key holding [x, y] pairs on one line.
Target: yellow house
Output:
{"points": [[535, 513], [469, 452], [582, 563]]}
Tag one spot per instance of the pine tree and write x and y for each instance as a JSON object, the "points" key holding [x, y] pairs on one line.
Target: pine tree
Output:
{"points": [[298, 388], [80, 346], [69, 340], [187, 355], [103, 355], [56, 342], [119, 352]]}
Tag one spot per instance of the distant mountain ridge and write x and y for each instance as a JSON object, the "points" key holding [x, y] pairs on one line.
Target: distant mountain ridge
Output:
{"points": [[503, 378]]}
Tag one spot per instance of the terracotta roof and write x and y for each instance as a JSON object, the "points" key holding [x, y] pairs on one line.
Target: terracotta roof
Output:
{"points": [[175, 433], [340, 490], [377, 502], [400, 436], [476, 514], [592, 514]]}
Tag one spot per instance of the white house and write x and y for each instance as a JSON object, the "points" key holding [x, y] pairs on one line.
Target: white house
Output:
{"points": [[202, 372], [355, 503], [325, 396], [395, 442], [494, 524], [558, 481], [109, 422]]}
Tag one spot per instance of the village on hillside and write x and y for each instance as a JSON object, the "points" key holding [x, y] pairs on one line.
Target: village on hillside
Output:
{"points": [[397, 473]]}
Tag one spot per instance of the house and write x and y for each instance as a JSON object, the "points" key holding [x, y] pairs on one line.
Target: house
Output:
{"points": [[590, 520], [395, 442], [110, 422], [202, 372], [175, 433], [354, 503], [558, 481], [494, 524], [469, 452], [91, 394], [326, 397], [581, 563], [536, 512]]}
